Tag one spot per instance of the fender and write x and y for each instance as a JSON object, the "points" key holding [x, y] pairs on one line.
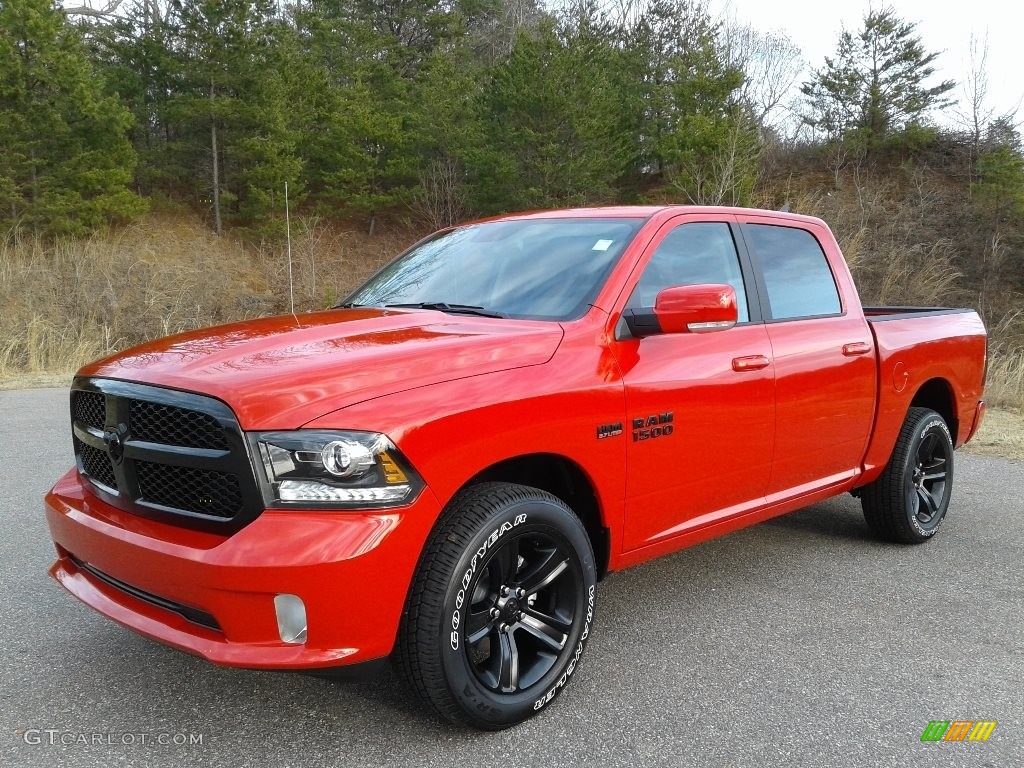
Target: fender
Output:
{"points": [[453, 430]]}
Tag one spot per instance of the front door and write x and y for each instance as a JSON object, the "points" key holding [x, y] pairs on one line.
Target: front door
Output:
{"points": [[700, 406]]}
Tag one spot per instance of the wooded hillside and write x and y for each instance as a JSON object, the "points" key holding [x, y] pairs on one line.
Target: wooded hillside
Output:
{"points": [[388, 118]]}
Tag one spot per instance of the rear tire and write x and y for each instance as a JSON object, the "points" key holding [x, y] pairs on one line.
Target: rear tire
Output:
{"points": [[908, 501], [500, 608]]}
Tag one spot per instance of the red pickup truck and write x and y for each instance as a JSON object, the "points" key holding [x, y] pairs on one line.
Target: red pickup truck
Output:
{"points": [[439, 470]]}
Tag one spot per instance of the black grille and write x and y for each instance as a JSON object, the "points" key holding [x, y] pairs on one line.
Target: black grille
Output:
{"points": [[89, 408], [197, 490], [96, 464], [170, 425], [181, 458]]}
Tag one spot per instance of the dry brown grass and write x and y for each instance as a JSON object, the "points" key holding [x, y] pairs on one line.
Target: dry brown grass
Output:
{"points": [[882, 246], [66, 303], [1001, 434], [1005, 385], [898, 259]]}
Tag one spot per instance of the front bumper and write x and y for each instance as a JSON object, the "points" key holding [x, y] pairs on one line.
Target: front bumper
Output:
{"points": [[351, 569]]}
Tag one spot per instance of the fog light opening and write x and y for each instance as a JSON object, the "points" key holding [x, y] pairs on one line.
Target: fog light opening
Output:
{"points": [[291, 618]]}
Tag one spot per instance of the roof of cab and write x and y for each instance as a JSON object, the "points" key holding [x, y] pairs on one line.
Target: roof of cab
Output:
{"points": [[646, 211]]}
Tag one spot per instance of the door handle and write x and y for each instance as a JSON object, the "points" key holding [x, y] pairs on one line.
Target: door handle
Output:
{"points": [[856, 348], [749, 363]]}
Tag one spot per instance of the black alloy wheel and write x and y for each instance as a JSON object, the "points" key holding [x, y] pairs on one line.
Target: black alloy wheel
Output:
{"points": [[908, 502], [501, 606], [523, 607], [926, 484]]}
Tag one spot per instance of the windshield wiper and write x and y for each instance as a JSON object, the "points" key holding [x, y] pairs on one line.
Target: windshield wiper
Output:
{"points": [[455, 309]]}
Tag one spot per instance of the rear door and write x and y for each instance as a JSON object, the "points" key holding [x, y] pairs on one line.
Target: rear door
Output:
{"points": [[700, 406], [823, 352]]}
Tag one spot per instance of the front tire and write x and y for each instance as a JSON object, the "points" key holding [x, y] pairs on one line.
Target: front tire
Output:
{"points": [[500, 608], [908, 501]]}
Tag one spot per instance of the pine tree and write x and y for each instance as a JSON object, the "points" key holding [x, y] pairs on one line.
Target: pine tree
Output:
{"points": [[692, 131], [230, 108], [877, 84], [414, 28], [685, 81], [362, 152], [555, 116], [448, 126], [999, 190], [134, 52], [65, 159]]}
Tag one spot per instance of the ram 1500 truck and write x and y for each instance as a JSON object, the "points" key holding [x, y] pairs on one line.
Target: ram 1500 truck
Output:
{"points": [[439, 470]]}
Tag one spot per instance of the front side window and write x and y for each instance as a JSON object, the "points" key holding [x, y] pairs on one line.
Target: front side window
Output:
{"points": [[698, 253], [796, 273], [547, 269]]}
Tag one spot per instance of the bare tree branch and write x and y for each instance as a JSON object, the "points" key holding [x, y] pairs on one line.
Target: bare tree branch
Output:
{"points": [[771, 63], [109, 9]]}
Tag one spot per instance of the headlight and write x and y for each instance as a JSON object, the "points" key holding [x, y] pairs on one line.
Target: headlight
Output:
{"points": [[341, 470]]}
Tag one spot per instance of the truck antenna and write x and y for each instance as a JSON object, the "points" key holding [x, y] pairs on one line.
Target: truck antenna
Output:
{"points": [[288, 237]]}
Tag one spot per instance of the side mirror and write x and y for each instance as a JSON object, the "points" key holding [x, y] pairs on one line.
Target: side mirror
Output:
{"points": [[686, 309]]}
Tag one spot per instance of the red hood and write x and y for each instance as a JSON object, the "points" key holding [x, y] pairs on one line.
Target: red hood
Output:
{"points": [[282, 372]]}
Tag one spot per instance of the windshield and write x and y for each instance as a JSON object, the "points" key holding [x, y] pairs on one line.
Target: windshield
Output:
{"points": [[548, 269]]}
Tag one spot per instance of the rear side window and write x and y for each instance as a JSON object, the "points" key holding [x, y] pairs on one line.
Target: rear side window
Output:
{"points": [[796, 272]]}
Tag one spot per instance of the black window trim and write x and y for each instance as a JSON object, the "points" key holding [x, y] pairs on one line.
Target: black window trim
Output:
{"points": [[762, 287], [755, 303]]}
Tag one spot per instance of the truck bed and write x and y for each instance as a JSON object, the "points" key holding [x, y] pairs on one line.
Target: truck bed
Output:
{"points": [[921, 347], [882, 314]]}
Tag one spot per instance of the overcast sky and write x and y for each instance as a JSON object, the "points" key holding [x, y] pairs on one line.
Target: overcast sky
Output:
{"points": [[944, 26]]}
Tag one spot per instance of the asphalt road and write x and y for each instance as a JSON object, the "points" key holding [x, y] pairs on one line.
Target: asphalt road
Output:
{"points": [[800, 641]]}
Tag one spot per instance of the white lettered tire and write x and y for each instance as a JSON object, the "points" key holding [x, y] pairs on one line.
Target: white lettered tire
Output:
{"points": [[907, 504], [501, 606]]}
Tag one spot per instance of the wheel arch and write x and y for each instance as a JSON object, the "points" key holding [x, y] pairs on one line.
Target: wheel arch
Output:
{"points": [[938, 394], [561, 477]]}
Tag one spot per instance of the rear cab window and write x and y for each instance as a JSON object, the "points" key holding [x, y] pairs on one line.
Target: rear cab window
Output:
{"points": [[797, 277]]}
